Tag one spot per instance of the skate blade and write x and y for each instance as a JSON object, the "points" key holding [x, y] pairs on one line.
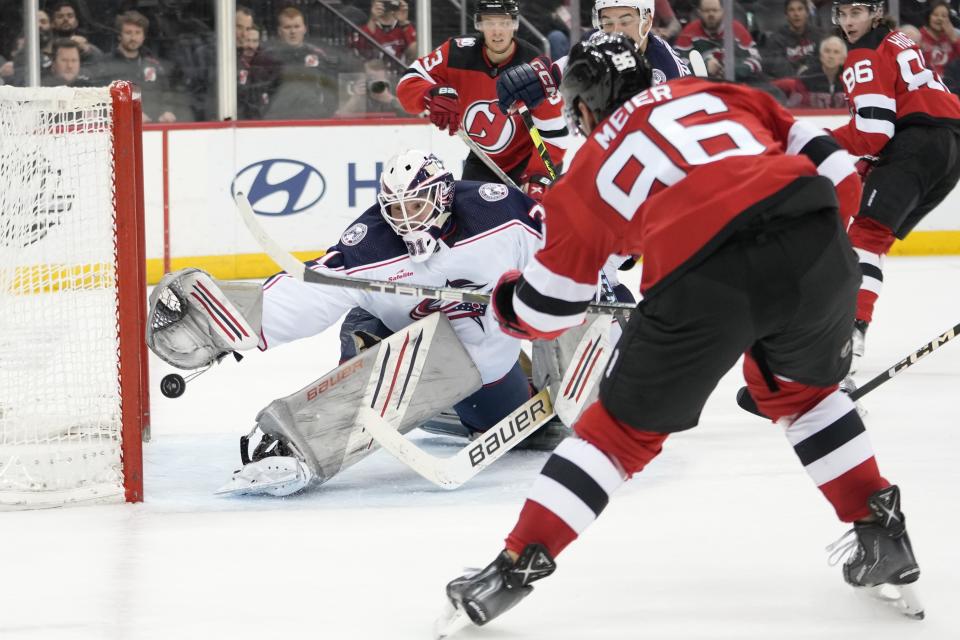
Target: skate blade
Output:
{"points": [[452, 620], [903, 598]]}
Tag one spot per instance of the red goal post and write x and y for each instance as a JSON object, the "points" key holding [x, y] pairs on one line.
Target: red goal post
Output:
{"points": [[74, 402]]}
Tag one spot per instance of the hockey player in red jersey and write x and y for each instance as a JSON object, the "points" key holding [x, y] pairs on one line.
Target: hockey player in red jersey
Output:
{"points": [[457, 85], [904, 116], [733, 205]]}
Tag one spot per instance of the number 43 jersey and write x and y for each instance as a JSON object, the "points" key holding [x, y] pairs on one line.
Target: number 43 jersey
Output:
{"points": [[889, 85], [670, 175]]}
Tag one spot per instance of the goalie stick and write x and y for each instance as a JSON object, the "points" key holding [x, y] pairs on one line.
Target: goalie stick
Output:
{"points": [[452, 472], [747, 403], [296, 269]]}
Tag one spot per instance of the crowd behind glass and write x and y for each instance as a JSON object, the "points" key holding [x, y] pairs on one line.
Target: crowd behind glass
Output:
{"points": [[341, 59]]}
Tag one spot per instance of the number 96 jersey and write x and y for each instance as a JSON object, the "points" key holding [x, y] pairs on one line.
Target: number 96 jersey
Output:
{"points": [[889, 85], [671, 175]]}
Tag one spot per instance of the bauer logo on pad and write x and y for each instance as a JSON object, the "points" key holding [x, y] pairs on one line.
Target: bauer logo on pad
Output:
{"points": [[280, 187]]}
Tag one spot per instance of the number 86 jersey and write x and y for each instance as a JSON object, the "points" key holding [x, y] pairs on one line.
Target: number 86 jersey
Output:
{"points": [[889, 85]]}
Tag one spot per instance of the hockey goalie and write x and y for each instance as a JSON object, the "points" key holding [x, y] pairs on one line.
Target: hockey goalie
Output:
{"points": [[417, 357]]}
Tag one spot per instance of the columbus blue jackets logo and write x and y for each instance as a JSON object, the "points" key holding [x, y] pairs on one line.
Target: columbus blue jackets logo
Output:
{"points": [[659, 77], [354, 234], [492, 191], [454, 310]]}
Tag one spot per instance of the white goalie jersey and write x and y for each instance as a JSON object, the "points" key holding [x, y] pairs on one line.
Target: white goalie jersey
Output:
{"points": [[492, 229]]}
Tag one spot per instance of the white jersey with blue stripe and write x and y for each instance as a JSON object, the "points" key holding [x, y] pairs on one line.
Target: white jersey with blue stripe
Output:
{"points": [[492, 229], [664, 61]]}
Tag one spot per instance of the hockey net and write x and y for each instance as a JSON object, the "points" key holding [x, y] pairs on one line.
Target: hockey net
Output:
{"points": [[73, 383]]}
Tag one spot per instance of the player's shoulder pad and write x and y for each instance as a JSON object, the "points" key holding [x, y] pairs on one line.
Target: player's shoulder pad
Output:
{"points": [[481, 206], [466, 52], [664, 60], [366, 240]]}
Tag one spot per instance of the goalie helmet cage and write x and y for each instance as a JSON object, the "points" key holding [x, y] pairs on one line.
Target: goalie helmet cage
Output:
{"points": [[74, 404]]}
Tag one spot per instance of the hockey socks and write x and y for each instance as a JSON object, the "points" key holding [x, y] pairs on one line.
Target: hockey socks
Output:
{"points": [[575, 484], [872, 241], [832, 444]]}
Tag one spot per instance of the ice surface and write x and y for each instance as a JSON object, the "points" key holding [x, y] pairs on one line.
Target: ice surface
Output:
{"points": [[721, 537]]}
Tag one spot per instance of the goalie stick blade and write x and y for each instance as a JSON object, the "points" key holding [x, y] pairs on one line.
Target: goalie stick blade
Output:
{"points": [[697, 65], [491, 445]]}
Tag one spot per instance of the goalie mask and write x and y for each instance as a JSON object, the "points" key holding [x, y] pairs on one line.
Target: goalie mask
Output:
{"points": [[416, 192], [644, 8]]}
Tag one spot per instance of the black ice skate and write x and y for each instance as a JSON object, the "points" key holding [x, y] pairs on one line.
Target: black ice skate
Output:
{"points": [[881, 559], [481, 596]]}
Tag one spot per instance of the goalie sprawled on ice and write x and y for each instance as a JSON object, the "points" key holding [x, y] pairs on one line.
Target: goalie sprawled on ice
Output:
{"points": [[426, 229]]}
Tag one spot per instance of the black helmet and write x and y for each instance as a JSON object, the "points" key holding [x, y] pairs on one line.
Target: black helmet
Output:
{"points": [[497, 7], [603, 72], [874, 5]]}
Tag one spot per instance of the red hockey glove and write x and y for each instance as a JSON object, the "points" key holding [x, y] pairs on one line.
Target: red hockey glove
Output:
{"points": [[501, 304], [865, 165], [443, 103], [531, 83], [535, 185]]}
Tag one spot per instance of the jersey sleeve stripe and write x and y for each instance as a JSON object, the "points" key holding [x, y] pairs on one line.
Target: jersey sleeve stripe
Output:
{"points": [[871, 124], [546, 322], [877, 100], [537, 301], [552, 285], [550, 124], [838, 166], [416, 70], [800, 135]]}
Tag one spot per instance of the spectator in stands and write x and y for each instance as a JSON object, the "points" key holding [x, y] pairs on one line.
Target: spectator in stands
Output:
{"points": [[14, 71], [665, 23], [911, 32], [131, 61], [256, 76], [792, 49], [65, 68], [706, 36], [821, 86], [384, 26], [65, 24], [547, 17], [940, 40], [372, 96], [244, 22], [306, 86]]}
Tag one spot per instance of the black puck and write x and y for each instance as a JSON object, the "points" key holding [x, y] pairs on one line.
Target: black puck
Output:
{"points": [[173, 385]]}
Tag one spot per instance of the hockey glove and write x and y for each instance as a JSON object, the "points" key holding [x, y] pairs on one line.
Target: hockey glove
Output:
{"points": [[535, 185], [443, 103], [501, 304], [531, 82]]}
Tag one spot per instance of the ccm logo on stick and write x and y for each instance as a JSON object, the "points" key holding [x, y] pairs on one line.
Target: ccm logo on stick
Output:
{"points": [[496, 438]]}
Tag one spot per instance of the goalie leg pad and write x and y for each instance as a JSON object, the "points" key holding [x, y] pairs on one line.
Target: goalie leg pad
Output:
{"points": [[195, 320]]}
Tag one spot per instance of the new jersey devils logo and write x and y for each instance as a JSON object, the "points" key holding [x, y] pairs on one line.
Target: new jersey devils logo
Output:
{"points": [[490, 129]]}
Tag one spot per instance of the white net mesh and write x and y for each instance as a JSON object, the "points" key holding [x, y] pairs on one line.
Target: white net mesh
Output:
{"points": [[60, 428]]}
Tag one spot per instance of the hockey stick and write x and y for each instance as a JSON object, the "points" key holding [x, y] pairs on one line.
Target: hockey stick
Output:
{"points": [[697, 65], [538, 141], [452, 472], [480, 153], [449, 473], [747, 403], [299, 270]]}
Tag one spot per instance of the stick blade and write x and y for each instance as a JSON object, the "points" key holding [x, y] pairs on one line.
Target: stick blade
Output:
{"points": [[697, 65]]}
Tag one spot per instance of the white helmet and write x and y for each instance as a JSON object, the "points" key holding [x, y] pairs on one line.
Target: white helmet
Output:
{"points": [[416, 191], [643, 7]]}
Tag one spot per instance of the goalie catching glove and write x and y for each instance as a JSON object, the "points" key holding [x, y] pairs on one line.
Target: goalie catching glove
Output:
{"points": [[195, 320]]}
